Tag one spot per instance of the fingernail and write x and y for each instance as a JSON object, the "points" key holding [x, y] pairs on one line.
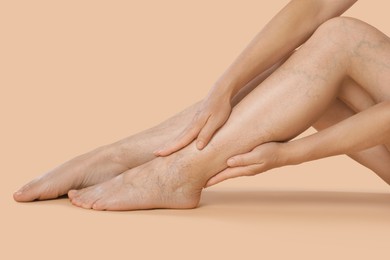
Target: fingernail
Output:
{"points": [[231, 162], [200, 145]]}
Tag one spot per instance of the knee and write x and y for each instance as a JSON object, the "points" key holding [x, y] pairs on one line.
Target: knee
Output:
{"points": [[341, 31]]}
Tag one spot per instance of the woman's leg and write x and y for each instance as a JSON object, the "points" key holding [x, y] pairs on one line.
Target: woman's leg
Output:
{"points": [[322, 144], [108, 161], [376, 158], [284, 105]]}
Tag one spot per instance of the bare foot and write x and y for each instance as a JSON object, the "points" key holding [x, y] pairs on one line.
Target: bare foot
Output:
{"points": [[82, 171], [105, 162], [160, 183]]}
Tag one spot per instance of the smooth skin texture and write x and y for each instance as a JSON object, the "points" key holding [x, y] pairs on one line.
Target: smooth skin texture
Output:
{"points": [[334, 140], [273, 43], [111, 160], [108, 161], [291, 27], [308, 82]]}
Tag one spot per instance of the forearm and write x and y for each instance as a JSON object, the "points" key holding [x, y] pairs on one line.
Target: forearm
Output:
{"points": [[356, 133], [292, 26]]}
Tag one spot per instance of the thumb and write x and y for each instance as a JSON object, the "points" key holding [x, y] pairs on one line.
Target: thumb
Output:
{"points": [[230, 173]]}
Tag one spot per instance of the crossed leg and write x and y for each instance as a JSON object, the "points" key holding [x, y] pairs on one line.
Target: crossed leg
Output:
{"points": [[108, 161], [305, 86]]}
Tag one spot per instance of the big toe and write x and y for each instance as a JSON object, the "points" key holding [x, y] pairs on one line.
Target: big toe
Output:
{"points": [[84, 198], [28, 192], [72, 194]]}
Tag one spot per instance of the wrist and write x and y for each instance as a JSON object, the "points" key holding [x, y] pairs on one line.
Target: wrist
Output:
{"points": [[226, 86], [223, 92], [292, 153]]}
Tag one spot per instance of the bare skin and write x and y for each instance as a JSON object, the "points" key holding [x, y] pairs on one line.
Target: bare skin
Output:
{"points": [[286, 31], [108, 161], [273, 43], [308, 82], [104, 162], [334, 138], [111, 160]]}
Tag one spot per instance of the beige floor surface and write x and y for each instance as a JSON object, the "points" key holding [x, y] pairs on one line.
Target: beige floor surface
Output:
{"points": [[78, 74]]}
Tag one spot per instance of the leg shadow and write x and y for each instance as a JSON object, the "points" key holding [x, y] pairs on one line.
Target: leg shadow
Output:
{"points": [[277, 205]]}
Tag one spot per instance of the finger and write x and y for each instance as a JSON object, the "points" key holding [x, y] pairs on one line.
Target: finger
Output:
{"points": [[208, 131], [244, 159], [223, 175], [234, 172], [184, 139]]}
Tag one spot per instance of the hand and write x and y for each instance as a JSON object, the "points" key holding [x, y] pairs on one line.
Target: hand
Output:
{"points": [[262, 158], [212, 114]]}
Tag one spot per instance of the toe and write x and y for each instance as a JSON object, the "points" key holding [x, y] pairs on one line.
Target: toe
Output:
{"points": [[72, 194], [76, 201], [85, 205], [18, 196], [28, 192], [109, 203], [99, 205], [88, 200], [77, 197], [85, 198]]}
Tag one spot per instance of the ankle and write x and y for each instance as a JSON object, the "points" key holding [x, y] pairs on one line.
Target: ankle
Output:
{"points": [[196, 165]]}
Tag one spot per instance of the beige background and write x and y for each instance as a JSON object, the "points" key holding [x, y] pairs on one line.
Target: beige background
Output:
{"points": [[78, 74]]}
